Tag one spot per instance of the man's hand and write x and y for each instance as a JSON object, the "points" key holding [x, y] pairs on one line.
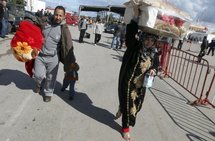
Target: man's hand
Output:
{"points": [[34, 53]]}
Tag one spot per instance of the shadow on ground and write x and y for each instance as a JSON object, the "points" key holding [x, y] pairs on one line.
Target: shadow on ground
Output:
{"points": [[20, 79], [84, 104], [8, 52], [117, 57], [198, 126]]}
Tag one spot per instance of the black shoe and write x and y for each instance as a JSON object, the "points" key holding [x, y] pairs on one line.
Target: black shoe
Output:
{"points": [[47, 98], [4, 36]]}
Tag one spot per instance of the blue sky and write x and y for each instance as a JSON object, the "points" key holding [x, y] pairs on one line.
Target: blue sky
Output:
{"points": [[203, 10]]}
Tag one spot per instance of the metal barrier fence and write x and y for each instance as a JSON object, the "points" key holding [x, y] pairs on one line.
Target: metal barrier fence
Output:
{"points": [[184, 69]]}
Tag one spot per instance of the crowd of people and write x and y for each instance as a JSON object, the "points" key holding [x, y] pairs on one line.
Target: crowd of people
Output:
{"points": [[118, 39]]}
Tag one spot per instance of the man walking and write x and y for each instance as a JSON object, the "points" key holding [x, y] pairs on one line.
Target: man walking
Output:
{"points": [[4, 15], [57, 47], [82, 25], [211, 47], [204, 47], [98, 29]]}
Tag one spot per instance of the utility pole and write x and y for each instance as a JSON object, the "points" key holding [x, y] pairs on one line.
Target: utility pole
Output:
{"points": [[108, 13], [31, 5]]}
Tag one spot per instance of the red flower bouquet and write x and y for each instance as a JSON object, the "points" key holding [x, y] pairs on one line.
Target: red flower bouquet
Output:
{"points": [[27, 41]]}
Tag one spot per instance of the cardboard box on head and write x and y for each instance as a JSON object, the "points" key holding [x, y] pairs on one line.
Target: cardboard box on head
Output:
{"points": [[157, 17]]}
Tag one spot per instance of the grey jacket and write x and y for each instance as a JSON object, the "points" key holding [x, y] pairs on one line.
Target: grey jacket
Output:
{"points": [[65, 46]]}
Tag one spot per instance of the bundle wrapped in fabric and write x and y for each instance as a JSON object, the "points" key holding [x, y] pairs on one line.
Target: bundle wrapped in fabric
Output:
{"points": [[27, 42], [157, 17]]}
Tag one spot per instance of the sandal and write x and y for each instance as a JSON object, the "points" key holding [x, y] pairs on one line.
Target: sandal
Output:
{"points": [[126, 136]]}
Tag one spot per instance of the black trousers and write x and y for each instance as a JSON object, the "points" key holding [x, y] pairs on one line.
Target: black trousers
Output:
{"points": [[211, 49], [81, 37], [97, 38]]}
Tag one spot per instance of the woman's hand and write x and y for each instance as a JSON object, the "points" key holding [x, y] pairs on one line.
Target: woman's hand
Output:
{"points": [[152, 72]]}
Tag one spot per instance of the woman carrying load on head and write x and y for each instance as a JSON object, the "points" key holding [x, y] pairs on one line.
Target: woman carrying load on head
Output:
{"points": [[141, 57]]}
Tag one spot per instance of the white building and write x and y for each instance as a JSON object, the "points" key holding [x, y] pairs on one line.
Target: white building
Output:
{"points": [[34, 5]]}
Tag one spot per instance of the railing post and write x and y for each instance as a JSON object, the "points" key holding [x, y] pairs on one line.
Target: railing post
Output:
{"points": [[205, 100]]}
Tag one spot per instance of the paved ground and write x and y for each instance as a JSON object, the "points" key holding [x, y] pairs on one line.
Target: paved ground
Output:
{"points": [[165, 115]]}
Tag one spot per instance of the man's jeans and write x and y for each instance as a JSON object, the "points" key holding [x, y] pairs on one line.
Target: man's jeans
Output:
{"points": [[4, 27], [115, 41]]}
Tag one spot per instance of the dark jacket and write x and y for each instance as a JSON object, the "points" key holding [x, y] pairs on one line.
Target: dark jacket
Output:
{"points": [[204, 44], [212, 44], [1, 11], [67, 56]]}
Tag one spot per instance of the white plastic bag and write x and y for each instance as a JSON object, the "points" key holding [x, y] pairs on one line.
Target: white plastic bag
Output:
{"points": [[148, 81]]}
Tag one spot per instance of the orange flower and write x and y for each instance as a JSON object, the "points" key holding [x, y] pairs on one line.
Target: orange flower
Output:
{"points": [[22, 48]]}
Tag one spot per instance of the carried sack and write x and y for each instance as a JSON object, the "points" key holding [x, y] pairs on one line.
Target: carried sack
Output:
{"points": [[87, 35], [74, 66]]}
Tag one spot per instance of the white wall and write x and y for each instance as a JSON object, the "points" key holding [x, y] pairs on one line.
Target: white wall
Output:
{"points": [[210, 37], [34, 5]]}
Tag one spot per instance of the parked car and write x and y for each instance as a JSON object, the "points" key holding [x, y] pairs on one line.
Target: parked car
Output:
{"points": [[16, 14], [110, 28], [71, 20], [29, 15]]}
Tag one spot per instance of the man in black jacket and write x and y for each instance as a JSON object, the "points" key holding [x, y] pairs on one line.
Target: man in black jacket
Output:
{"points": [[4, 15], [212, 47], [204, 47]]}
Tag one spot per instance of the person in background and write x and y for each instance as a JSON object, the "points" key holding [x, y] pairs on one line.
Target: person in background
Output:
{"points": [[204, 47], [139, 59], [122, 35], [57, 47], [82, 26], [116, 36], [211, 47], [164, 45], [4, 15], [98, 29], [180, 43], [37, 13]]}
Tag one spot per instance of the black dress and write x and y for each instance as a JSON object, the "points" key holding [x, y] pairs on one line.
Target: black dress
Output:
{"points": [[137, 60]]}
